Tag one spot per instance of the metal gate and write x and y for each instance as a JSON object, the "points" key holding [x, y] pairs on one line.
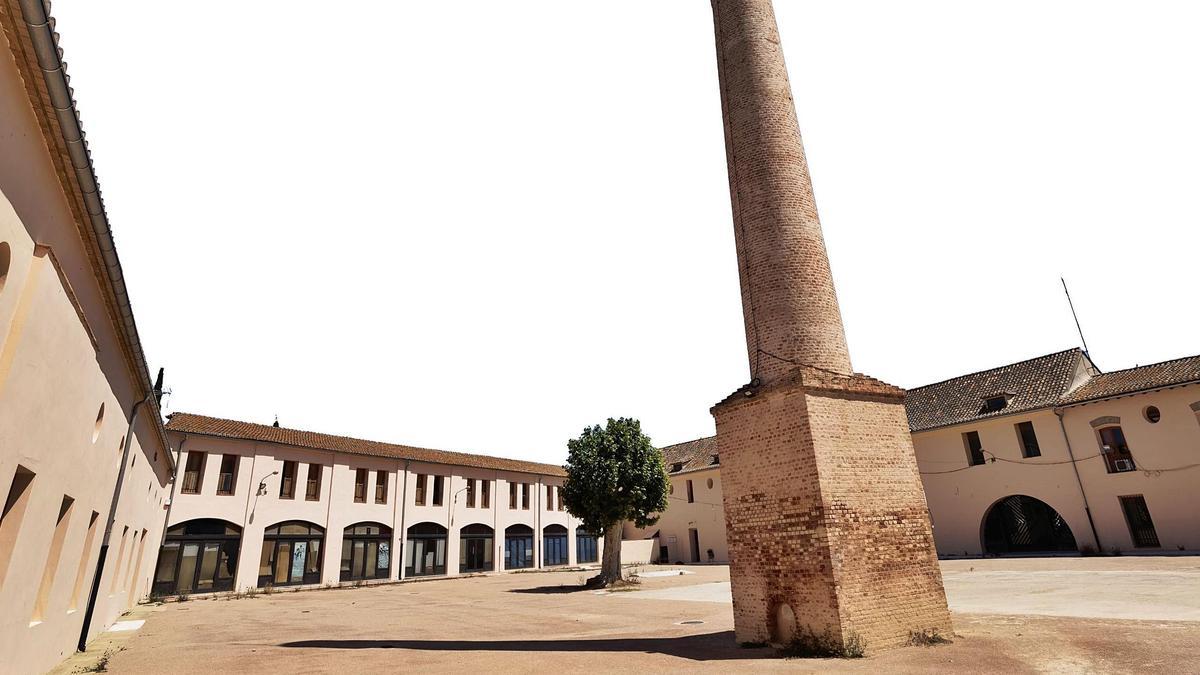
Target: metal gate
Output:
{"points": [[1022, 524]]}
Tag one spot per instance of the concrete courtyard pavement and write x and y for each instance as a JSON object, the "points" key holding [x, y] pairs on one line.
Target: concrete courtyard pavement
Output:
{"points": [[1056, 615]]}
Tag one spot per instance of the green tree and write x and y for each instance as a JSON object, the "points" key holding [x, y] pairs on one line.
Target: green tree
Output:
{"points": [[614, 474]]}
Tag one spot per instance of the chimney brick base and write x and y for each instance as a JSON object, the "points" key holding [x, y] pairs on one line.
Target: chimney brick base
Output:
{"points": [[829, 531]]}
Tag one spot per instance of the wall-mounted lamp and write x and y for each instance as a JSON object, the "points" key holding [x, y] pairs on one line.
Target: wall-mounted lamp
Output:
{"points": [[262, 483]]}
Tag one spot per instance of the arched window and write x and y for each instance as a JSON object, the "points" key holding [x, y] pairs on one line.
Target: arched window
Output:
{"points": [[554, 545], [366, 552], [291, 554], [587, 546], [518, 547], [476, 549], [426, 550], [198, 556]]}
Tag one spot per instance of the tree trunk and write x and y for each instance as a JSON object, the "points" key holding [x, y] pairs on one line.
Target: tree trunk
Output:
{"points": [[610, 565]]}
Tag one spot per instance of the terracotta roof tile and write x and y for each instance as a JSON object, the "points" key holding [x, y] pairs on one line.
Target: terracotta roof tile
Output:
{"points": [[1036, 383], [1116, 383], [691, 455], [214, 426]]}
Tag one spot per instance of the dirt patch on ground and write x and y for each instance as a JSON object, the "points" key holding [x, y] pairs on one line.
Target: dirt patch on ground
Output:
{"points": [[547, 622]]}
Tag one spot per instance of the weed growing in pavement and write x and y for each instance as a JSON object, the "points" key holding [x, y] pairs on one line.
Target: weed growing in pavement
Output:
{"points": [[808, 645], [926, 637]]}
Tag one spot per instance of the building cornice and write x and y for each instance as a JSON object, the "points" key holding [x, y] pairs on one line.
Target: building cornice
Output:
{"points": [[34, 45]]}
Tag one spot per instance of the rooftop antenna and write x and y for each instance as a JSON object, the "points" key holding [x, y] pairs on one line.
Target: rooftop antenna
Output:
{"points": [[1076, 317]]}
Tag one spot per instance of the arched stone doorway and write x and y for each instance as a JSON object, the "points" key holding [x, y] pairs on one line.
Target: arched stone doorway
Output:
{"points": [[1023, 524]]}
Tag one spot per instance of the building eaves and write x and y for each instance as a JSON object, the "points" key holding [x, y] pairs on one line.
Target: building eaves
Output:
{"points": [[1140, 379], [40, 59], [189, 423], [1034, 384], [691, 456]]}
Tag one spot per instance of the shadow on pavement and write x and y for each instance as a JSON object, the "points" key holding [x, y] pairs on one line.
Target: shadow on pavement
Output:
{"points": [[549, 589], [709, 647]]}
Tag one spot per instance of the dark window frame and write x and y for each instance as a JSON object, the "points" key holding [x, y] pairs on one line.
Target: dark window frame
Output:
{"points": [[587, 546], [974, 447], [381, 486], [314, 544], [201, 533], [287, 479], [477, 543], [312, 484], [359, 538], [1142, 532], [227, 480], [439, 491], [360, 485], [1112, 436], [425, 533], [519, 547], [419, 490], [555, 552], [1027, 436], [193, 472]]}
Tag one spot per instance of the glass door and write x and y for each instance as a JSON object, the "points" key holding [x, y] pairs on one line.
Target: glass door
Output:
{"points": [[187, 568], [518, 552]]}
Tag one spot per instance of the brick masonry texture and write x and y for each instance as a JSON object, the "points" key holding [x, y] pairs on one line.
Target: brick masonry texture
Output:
{"points": [[787, 289], [825, 512], [824, 508]]}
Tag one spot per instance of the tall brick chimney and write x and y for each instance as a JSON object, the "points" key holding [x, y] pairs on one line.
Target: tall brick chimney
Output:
{"points": [[790, 306], [829, 532]]}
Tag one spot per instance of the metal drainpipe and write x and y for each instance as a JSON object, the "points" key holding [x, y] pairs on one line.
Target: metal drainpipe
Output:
{"points": [[1074, 466], [108, 527], [174, 484]]}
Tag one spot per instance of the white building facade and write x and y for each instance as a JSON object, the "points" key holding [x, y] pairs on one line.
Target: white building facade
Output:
{"points": [[258, 506]]}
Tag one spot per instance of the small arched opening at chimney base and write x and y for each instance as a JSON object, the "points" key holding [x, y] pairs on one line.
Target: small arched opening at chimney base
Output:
{"points": [[783, 623]]}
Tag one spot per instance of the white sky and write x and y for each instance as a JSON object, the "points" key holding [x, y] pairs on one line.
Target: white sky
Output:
{"points": [[484, 225]]}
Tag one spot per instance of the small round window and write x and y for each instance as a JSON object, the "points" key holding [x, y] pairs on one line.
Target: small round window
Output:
{"points": [[99, 423], [1152, 414], [709, 483]]}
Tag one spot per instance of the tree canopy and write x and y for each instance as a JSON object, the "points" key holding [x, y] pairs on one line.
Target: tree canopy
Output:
{"points": [[614, 474]]}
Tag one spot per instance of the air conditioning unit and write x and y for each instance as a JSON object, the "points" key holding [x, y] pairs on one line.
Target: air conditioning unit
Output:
{"points": [[1123, 465]]}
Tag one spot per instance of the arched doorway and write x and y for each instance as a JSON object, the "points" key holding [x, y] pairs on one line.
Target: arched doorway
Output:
{"points": [[1022, 524], [426, 550], [198, 556], [554, 545], [587, 546], [291, 554], [366, 552], [518, 547], [475, 549]]}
